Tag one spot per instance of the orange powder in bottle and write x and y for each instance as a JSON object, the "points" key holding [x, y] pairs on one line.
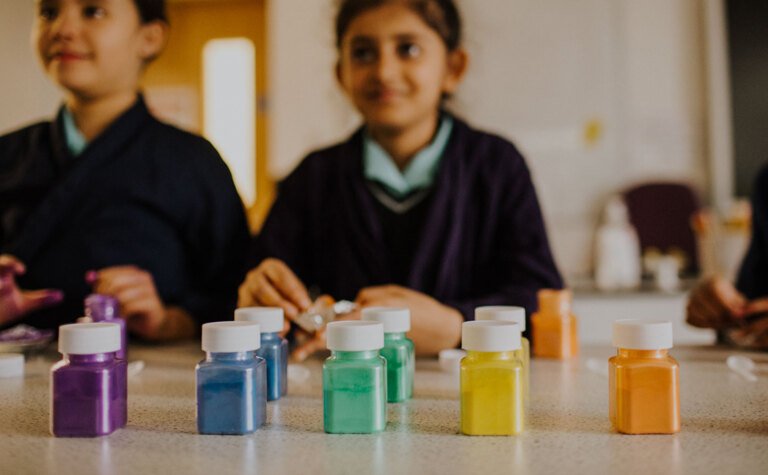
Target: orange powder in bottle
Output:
{"points": [[554, 326], [644, 381]]}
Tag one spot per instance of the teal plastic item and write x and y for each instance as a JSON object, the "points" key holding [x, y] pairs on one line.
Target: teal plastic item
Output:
{"points": [[401, 363], [354, 392]]}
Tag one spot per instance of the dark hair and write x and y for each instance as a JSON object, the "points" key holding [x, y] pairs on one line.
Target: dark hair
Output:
{"points": [[151, 10], [441, 15]]}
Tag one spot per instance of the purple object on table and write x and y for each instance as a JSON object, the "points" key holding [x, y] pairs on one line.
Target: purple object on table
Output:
{"points": [[105, 308], [89, 389], [24, 333]]}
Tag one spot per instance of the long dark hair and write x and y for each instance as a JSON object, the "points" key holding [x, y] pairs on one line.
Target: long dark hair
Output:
{"points": [[441, 15]]}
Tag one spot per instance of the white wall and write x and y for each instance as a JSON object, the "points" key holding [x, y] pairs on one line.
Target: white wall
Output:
{"points": [[26, 94], [540, 71], [306, 108]]}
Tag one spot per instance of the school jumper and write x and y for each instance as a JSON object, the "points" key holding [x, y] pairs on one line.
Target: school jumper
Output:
{"points": [[143, 193], [477, 237]]}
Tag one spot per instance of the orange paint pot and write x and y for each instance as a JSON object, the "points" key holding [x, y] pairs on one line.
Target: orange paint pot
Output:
{"points": [[644, 380], [555, 333]]}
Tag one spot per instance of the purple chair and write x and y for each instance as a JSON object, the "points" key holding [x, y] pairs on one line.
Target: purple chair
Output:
{"points": [[661, 213]]}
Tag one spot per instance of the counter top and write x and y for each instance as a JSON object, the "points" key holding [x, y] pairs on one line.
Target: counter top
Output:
{"points": [[724, 428]]}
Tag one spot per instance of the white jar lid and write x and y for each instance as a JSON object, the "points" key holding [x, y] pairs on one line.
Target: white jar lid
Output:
{"points": [[354, 336], [270, 318], [89, 338], [231, 337], [489, 335], [502, 313], [642, 334], [394, 319], [11, 365]]}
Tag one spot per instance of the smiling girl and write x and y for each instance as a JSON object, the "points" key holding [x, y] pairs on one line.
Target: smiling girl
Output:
{"points": [[416, 209], [106, 198]]}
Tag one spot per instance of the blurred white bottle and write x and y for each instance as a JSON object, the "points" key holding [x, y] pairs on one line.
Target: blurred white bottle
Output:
{"points": [[617, 253]]}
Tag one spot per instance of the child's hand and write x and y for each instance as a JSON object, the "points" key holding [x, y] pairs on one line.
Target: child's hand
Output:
{"points": [[715, 303], [434, 326], [752, 335], [273, 284], [14, 302], [756, 307], [140, 304]]}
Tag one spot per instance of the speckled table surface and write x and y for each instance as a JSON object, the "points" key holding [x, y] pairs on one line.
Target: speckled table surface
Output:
{"points": [[725, 426]]}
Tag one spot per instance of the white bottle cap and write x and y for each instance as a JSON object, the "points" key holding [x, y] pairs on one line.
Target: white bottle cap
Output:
{"points": [[502, 313], [490, 336], [231, 337], [355, 336], [394, 319], [11, 365], [270, 318], [89, 338], [642, 334]]}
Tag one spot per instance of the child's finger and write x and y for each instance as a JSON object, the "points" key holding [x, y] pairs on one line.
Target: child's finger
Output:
{"points": [[756, 306], [266, 295], [10, 265], [285, 281], [37, 299]]}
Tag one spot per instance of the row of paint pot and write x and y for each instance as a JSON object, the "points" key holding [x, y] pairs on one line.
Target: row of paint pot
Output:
{"points": [[245, 366], [371, 363]]}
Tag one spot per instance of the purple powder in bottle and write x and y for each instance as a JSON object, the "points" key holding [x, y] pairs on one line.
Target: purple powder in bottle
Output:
{"points": [[105, 308], [88, 386]]}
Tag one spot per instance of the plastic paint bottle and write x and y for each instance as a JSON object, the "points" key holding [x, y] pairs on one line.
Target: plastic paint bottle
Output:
{"points": [[491, 379], [274, 348], [644, 381], [554, 326], [105, 308], [355, 379], [231, 380], [501, 313], [88, 386], [398, 350]]}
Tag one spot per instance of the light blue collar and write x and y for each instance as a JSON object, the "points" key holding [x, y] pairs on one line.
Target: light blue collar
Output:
{"points": [[75, 140], [378, 166]]}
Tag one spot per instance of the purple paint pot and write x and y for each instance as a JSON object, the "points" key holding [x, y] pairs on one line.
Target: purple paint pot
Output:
{"points": [[105, 308], [89, 391]]}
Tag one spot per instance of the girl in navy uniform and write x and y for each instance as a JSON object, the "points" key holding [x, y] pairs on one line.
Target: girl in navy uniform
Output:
{"points": [[416, 209], [106, 198]]}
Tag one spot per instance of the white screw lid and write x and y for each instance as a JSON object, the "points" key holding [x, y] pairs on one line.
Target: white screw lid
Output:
{"points": [[502, 313], [270, 318], [231, 337], [489, 335], [355, 336], [394, 319], [642, 334], [89, 338], [11, 365]]}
